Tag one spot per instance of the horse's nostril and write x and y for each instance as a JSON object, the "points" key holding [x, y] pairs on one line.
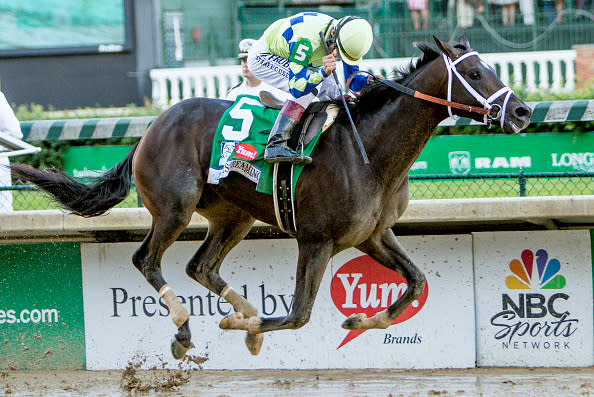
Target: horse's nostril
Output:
{"points": [[522, 112]]}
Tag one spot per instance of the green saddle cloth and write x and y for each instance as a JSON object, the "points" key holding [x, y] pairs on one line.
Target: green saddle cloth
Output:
{"points": [[240, 140]]}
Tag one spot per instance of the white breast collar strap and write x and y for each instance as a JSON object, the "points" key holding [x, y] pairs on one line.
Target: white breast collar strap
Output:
{"points": [[486, 102]]}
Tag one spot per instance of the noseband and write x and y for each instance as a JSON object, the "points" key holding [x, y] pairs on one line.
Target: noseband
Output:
{"points": [[490, 111], [496, 112]]}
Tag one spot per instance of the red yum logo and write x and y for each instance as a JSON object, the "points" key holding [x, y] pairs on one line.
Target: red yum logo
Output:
{"points": [[246, 151], [364, 286]]}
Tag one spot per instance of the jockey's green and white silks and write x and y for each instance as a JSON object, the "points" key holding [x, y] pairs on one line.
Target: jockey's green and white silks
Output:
{"points": [[239, 143], [292, 48]]}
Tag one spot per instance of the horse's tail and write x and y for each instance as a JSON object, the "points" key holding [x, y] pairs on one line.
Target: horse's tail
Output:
{"points": [[88, 200]]}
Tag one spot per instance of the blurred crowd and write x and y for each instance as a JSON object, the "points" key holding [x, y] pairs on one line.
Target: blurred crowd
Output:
{"points": [[505, 12]]}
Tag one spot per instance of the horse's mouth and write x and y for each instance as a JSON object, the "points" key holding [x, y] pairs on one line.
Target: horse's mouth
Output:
{"points": [[515, 126]]}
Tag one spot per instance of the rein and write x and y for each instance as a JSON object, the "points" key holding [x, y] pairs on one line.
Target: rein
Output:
{"points": [[434, 99], [491, 112]]}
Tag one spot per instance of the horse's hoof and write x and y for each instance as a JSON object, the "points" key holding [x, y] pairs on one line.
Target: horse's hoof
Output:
{"points": [[354, 321], [229, 321], [254, 342], [178, 350]]}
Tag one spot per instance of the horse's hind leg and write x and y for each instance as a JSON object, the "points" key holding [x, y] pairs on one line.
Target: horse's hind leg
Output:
{"points": [[224, 233], [312, 262], [385, 249], [147, 259]]}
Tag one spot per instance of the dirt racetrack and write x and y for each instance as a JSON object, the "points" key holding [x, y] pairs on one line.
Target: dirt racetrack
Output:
{"points": [[504, 382]]}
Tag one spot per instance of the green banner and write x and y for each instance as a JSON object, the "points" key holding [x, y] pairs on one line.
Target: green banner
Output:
{"points": [[479, 154], [41, 307], [90, 161]]}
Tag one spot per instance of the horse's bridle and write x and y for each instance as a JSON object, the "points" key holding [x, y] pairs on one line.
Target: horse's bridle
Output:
{"points": [[491, 112], [496, 112]]}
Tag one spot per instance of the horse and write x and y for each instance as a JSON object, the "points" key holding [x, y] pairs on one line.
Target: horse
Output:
{"points": [[340, 202]]}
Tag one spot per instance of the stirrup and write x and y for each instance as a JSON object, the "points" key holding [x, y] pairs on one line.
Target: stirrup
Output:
{"points": [[281, 153]]}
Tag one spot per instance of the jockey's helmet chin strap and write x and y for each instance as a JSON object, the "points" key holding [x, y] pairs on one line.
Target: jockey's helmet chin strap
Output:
{"points": [[497, 112]]}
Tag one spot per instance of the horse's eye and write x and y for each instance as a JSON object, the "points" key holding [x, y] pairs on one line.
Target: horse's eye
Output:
{"points": [[474, 75]]}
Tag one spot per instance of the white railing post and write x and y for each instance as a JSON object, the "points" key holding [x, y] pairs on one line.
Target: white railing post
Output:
{"points": [[198, 85], [159, 91], [569, 59], [186, 86], [504, 69], [531, 75]]}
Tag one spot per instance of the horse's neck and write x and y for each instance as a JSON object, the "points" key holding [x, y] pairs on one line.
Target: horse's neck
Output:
{"points": [[404, 126]]}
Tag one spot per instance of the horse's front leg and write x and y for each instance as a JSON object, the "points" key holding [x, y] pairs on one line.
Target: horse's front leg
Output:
{"points": [[385, 249], [313, 258]]}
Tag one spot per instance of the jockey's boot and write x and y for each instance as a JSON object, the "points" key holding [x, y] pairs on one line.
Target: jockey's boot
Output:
{"points": [[276, 149]]}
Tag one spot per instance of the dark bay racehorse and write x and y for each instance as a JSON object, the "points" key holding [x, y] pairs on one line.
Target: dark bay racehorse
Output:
{"points": [[340, 202]]}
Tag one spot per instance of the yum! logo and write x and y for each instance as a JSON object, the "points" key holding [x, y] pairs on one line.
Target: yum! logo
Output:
{"points": [[362, 285], [246, 151]]}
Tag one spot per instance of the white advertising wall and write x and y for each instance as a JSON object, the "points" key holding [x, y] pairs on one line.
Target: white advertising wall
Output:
{"points": [[126, 322], [534, 298]]}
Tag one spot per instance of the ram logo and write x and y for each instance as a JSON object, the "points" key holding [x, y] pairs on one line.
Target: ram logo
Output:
{"points": [[459, 162]]}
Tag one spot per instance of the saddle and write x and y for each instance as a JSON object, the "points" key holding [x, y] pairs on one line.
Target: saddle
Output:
{"points": [[240, 140], [318, 116]]}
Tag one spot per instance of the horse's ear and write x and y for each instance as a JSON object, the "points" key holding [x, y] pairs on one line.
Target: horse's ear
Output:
{"points": [[464, 41], [445, 48]]}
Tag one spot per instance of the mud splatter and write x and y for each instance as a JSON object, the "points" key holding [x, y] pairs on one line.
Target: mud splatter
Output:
{"points": [[196, 359], [155, 379], [156, 382]]}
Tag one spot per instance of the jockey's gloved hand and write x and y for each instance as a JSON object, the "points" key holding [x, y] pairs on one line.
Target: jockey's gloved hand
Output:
{"points": [[350, 96], [329, 64], [372, 78]]}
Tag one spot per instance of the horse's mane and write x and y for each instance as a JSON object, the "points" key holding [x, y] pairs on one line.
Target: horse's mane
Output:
{"points": [[375, 95]]}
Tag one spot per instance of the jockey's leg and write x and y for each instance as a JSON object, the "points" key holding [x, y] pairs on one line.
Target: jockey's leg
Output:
{"points": [[276, 148]]}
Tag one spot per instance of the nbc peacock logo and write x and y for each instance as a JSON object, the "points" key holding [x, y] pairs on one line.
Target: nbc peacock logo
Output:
{"points": [[535, 271], [537, 319]]}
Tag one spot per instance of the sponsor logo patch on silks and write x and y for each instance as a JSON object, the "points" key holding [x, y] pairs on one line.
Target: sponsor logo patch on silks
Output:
{"points": [[226, 150], [245, 151], [362, 285]]}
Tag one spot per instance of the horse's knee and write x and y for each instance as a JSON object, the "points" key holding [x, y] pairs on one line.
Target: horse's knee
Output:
{"points": [[191, 271], [417, 285], [300, 322], [178, 216], [150, 272], [206, 276], [199, 273]]}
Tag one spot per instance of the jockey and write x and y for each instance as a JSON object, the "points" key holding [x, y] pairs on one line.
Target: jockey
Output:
{"points": [[250, 85], [290, 56]]}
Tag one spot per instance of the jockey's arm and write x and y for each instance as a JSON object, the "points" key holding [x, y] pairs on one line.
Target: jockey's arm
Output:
{"points": [[302, 79], [355, 81]]}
